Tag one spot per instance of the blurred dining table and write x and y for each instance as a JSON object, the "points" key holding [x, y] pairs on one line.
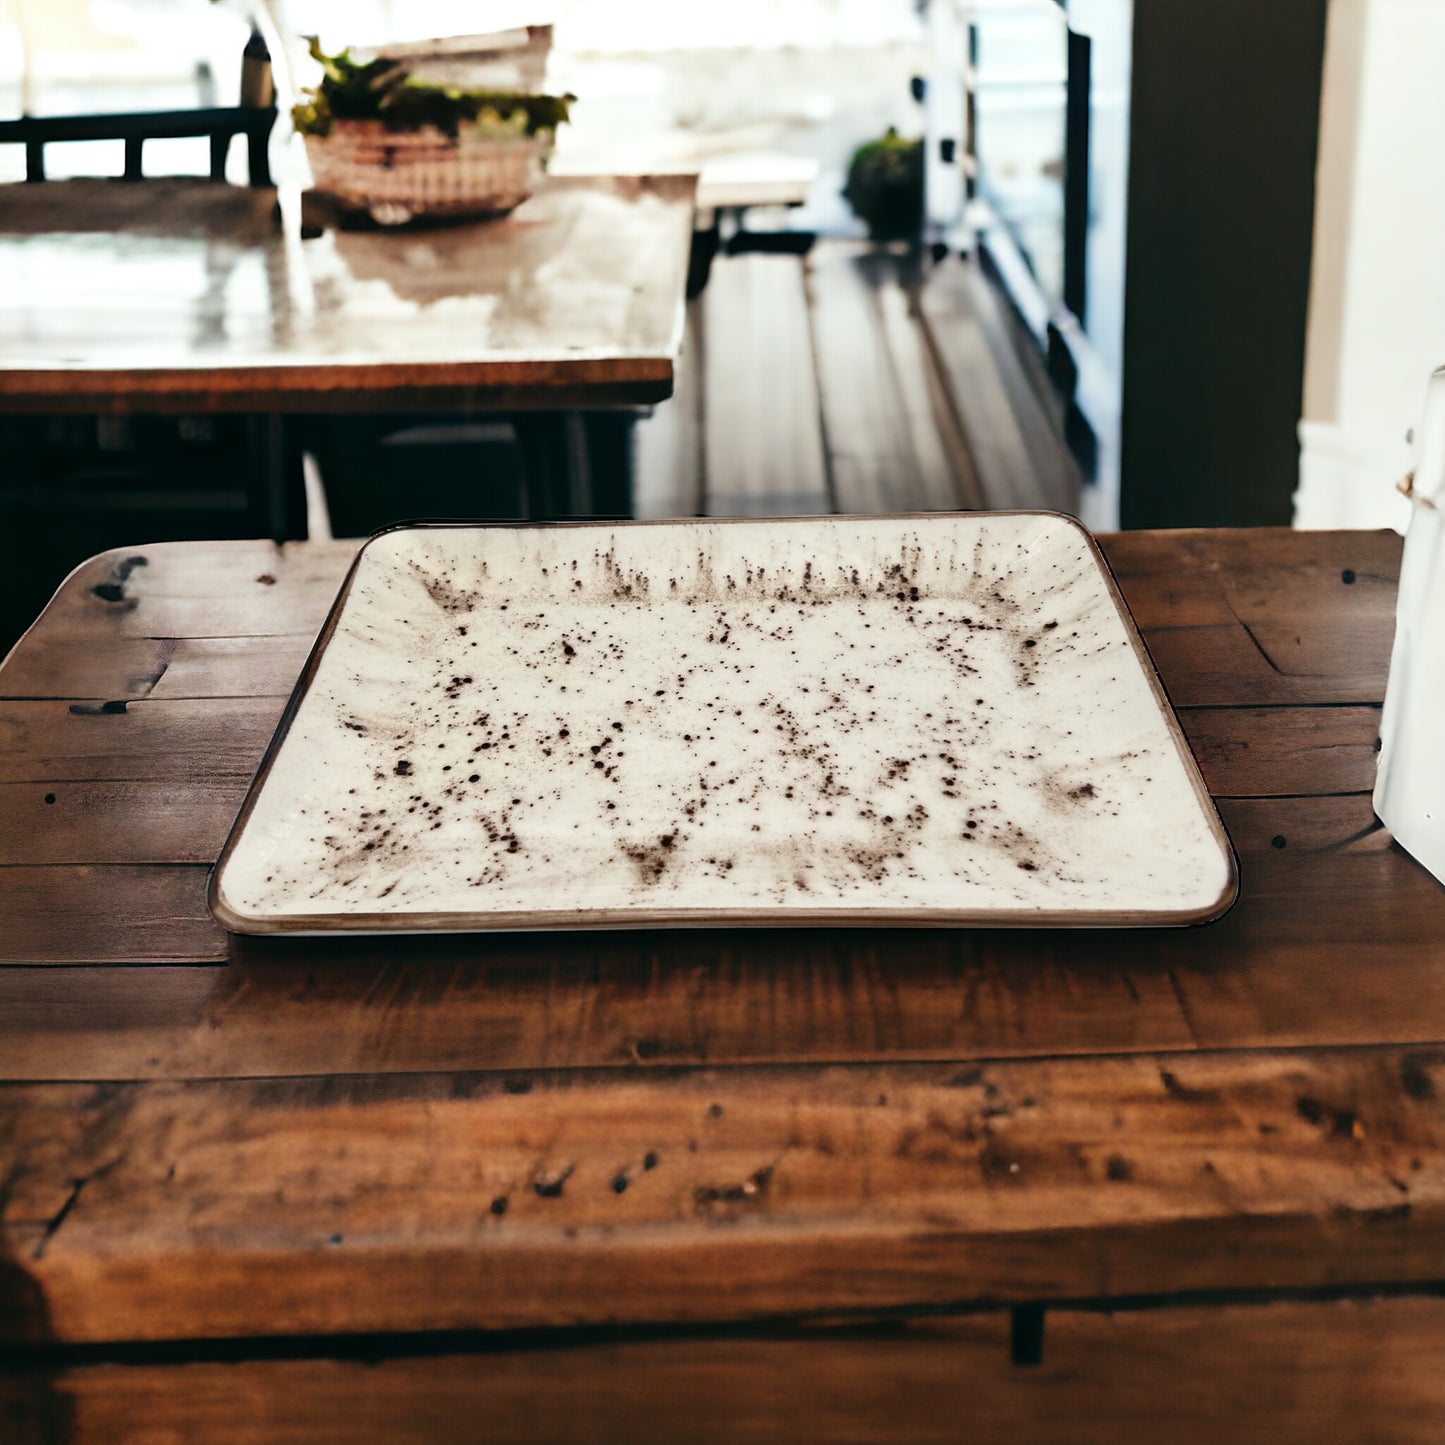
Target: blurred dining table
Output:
{"points": [[182, 297], [712, 1184]]}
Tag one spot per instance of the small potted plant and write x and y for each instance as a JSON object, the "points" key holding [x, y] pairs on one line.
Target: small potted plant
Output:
{"points": [[383, 141], [885, 187]]}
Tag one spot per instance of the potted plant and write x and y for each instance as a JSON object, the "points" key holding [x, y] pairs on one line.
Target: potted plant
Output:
{"points": [[885, 186], [383, 141]]}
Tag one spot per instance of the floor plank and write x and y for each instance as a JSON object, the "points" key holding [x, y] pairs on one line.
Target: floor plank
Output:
{"points": [[945, 465], [763, 438], [668, 470], [868, 428], [1018, 456]]}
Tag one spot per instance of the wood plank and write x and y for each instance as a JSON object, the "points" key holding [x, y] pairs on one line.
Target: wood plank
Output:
{"points": [[1265, 575], [291, 1206], [1224, 664], [657, 1000], [103, 822], [763, 443], [118, 914], [1264, 615], [188, 589], [1264, 752], [1171, 580], [163, 206], [867, 428], [202, 739], [1035, 401], [1340, 821], [1330, 944], [1020, 461], [158, 667], [945, 466], [669, 457], [1269, 1374]]}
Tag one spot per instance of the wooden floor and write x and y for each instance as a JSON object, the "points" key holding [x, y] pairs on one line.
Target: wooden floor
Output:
{"points": [[852, 381]]}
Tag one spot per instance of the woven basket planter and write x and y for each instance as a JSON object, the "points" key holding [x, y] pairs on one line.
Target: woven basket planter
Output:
{"points": [[400, 175]]}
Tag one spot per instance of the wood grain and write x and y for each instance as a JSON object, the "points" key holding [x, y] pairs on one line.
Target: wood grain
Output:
{"points": [[1294, 581], [297, 1205], [159, 667], [1287, 1373], [1263, 616], [1360, 928], [127, 913], [869, 420], [748, 1136], [573, 300], [1343, 821], [201, 741], [759, 460], [1289, 965], [1017, 448], [945, 465], [1256, 752], [118, 822], [192, 590]]}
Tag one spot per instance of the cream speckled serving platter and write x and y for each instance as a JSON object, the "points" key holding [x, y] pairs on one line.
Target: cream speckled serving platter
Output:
{"points": [[896, 720]]}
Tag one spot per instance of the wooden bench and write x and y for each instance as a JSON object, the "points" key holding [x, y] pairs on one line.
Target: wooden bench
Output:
{"points": [[856, 379], [1002, 398]]}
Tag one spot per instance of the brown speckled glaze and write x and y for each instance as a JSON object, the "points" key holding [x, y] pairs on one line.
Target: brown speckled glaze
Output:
{"points": [[913, 720]]}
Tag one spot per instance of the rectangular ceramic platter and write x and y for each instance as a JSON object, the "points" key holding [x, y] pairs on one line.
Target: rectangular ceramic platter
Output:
{"points": [[916, 720]]}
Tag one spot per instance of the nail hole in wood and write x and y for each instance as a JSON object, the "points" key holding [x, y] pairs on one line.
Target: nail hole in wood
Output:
{"points": [[1026, 1341]]}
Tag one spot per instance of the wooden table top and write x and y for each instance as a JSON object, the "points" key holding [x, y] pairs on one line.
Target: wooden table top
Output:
{"points": [[213, 1137], [177, 296]]}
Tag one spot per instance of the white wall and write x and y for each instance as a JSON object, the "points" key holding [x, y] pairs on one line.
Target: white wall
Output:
{"points": [[1377, 300]]}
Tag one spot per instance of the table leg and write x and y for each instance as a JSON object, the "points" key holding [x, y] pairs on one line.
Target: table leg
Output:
{"points": [[554, 464], [610, 455], [275, 484], [706, 240]]}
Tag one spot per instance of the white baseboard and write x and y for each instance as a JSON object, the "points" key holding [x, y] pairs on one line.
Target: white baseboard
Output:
{"points": [[1348, 482]]}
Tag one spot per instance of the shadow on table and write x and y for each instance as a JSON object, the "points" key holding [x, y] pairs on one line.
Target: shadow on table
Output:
{"points": [[32, 1411]]}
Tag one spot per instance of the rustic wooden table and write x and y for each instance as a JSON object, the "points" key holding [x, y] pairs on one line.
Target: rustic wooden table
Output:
{"points": [[715, 1185], [177, 297], [188, 297]]}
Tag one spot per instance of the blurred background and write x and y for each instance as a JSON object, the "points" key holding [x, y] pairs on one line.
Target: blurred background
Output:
{"points": [[1174, 264]]}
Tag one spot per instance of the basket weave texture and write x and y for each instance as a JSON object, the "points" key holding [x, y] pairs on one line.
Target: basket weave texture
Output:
{"points": [[423, 172]]}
